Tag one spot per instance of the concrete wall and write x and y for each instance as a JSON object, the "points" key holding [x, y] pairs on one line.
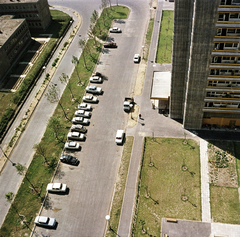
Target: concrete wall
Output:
{"points": [[181, 49], [203, 31]]}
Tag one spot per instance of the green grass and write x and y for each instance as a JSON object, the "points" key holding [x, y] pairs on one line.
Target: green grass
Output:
{"points": [[164, 51], [120, 187], [38, 173], [237, 155], [225, 204], [163, 183]]}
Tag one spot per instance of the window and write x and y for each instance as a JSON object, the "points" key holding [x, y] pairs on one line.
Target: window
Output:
{"points": [[221, 17], [234, 16]]}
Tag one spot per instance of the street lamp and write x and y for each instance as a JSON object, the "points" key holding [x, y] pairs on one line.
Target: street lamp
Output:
{"points": [[107, 217], [13, 164], [71, 22]]}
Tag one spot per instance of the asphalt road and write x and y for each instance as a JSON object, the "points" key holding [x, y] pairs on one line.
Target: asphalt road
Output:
{"points": [[82, 212]]}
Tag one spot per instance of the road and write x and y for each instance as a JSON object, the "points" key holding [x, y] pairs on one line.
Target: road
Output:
{"points": [[82, 212]]}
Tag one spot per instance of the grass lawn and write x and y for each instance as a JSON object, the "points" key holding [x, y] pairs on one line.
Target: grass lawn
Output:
{"points": [[39, 173], [163, 183], [120, 187], [148, 39], [224, 195], [164, 51]]}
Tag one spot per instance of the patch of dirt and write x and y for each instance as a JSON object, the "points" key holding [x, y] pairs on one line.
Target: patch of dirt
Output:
{"points": [[140, 78], [222, 165], [56, 209], [133, 117]]}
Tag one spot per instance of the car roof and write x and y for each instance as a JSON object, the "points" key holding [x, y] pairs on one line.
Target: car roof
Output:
{"points": [[43, 219], [75, 134], [72, 143], [57, 185], [92, 87]]}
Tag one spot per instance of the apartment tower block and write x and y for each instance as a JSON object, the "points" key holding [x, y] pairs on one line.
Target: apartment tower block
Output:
{"points": [[205, 84]]}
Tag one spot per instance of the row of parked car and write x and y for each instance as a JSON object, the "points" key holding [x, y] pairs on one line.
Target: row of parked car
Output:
{"points": [[77, 133]]}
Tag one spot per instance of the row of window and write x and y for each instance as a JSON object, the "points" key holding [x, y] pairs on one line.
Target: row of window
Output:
{"points": [[228, 32], [224, 59], [34, 24], [227, 72], [224, 83], [17, 7], [226, 46], [222, 105], [29, 15], [230, 2], [222, 94], [229, 17]]}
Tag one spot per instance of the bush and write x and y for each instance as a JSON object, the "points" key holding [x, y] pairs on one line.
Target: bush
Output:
{"points": [[5, 119]]}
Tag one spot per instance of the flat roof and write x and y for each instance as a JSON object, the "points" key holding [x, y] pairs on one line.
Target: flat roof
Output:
{"points": [[17, 1], [161, 85], [7, 27]]}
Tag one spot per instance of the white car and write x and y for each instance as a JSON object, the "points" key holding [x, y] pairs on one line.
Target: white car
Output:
{"points": [[85, 106], [78, 128], [90, 98], [76, 136], [94, 90], [96, 79], [57, 187], [115, 30], [119, 137], [136, 58], [72, 146], [45, 221], [80, 120], [82, 113]]}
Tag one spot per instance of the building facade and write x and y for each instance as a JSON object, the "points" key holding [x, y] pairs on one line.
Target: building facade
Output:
{"points": [[14, 37], [36, 12], [205, 84]]}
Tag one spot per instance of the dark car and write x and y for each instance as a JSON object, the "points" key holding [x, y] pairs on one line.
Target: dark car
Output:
{"points": [[110, 45], [68, 159]]}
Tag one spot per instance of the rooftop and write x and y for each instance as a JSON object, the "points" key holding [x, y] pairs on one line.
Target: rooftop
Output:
{"points": [[7, 27]]}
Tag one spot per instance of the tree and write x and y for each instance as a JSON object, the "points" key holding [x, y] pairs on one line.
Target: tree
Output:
{"points": [[75, 62], [92, 33], [41, 149], [64, 79], [58, 129], [94, 18], [21, 170], [104, 5], [53, 96], [82, 44]]}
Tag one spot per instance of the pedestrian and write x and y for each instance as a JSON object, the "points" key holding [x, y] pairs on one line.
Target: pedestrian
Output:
{"points": [[140, 116]]}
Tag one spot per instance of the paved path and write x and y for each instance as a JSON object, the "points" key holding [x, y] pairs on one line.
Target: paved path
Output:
{"points": [[205, 193]]}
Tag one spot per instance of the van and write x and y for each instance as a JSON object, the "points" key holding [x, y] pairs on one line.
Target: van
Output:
{"points": [[119, 137]]}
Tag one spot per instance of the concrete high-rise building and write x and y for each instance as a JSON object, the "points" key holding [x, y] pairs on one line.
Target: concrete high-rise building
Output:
{"points": [[205, 84]]}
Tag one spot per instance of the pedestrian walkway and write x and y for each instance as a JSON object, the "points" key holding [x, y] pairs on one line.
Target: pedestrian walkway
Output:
{"points": [[205, 194]]}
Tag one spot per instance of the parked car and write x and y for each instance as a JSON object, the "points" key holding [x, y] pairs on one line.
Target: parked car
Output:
{"points": [[72, 146], [96, 79], [136, 58], [80, 120], [119, 137], [57, 187], [45, 221], [68, 159], [78, 128], [110, 45], [83, 113], [85, 106], [76, 136], [90, 98], [115, 30], [94, 90]]}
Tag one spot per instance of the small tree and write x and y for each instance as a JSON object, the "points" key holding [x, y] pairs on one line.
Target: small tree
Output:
{"points": [[9, 197], [56, 126], [53, 96], [82, 44], [75, 62], [64, 79], [41, 149], [92, 33], [94, 18], [21, 170]]}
